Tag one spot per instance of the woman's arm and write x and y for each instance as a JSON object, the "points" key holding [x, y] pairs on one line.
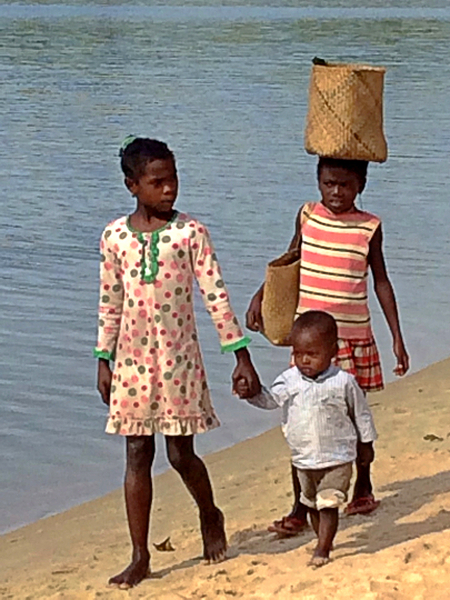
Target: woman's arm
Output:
{"points": [[253, 316], [386, 297], [110, 313], [111, 299], [215, 296], [245, 374], [296, 241]]}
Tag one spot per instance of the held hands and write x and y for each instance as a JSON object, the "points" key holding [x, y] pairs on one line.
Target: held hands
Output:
{"points": [[245, 380], [402, 358], [241, 389], [104, 379]]}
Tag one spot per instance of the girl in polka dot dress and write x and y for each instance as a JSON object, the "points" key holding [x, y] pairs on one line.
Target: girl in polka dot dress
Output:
{"points": [[149, 262]]}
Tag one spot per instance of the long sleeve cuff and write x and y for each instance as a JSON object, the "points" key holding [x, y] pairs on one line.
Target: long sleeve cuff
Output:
{"points": [[234, 346], [264, 400], [103, 354]]}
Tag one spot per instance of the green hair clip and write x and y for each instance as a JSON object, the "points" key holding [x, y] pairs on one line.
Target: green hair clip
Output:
{"points": [[126, 142]]}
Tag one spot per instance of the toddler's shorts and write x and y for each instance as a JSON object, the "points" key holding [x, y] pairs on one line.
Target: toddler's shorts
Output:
{"points": [[325, 488]]}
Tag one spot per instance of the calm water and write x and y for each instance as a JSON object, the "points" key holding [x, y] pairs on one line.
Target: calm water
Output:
{"points": [[226, 87]]}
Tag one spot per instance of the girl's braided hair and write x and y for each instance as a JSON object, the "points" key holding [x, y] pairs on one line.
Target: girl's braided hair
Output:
{"points": [[136, 152]]}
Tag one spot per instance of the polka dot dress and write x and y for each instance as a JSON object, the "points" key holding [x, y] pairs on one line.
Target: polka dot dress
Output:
{"points": [[147, 326]]}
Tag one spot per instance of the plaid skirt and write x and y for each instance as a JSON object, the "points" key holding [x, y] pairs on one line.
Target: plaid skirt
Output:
{"points": [[361, 359]]}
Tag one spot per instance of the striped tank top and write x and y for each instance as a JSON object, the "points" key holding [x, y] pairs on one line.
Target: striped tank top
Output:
{"points": [[334, 267]]}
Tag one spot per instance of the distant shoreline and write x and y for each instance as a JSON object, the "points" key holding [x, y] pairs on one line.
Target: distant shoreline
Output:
{"points": [[175, 13]]}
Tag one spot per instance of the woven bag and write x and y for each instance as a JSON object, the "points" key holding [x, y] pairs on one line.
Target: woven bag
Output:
{"points": [[280, 299], [345, 115]]}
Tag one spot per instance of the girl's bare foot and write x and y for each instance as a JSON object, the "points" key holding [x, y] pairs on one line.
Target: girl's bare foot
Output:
{"points": [[213, 534], [311, 550], [318, 561], [320, 557], [136, 571]]}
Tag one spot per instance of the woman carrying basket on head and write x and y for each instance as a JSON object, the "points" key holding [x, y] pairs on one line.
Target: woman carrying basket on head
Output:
{"points": [[339, 244]]}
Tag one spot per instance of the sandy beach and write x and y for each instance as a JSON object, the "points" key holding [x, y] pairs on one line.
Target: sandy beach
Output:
{"points": [[401, 551]]}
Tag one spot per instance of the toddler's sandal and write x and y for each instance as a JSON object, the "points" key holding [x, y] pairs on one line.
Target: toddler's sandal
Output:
{"points": [[288, 526]]}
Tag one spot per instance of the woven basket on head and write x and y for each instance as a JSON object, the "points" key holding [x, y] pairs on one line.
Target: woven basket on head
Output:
{"points": [[345, 116], [280, 299]]}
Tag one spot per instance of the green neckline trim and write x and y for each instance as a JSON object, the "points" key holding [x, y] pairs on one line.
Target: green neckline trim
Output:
{"points": [[134, 230], [103, 354], [236, 345], [150, 267], [149, 270]]}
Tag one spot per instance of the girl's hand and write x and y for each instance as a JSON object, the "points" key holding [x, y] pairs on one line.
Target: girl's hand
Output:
{"points": [[245, 371], [253, 317], [241, 388], [402, 358], [104, 379]]}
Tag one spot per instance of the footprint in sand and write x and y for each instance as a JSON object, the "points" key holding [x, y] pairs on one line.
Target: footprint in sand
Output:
{"points": [[242, 538], [65, 571]]}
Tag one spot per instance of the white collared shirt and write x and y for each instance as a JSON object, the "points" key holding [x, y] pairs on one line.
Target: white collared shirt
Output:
{"points": [[323, 418]]}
